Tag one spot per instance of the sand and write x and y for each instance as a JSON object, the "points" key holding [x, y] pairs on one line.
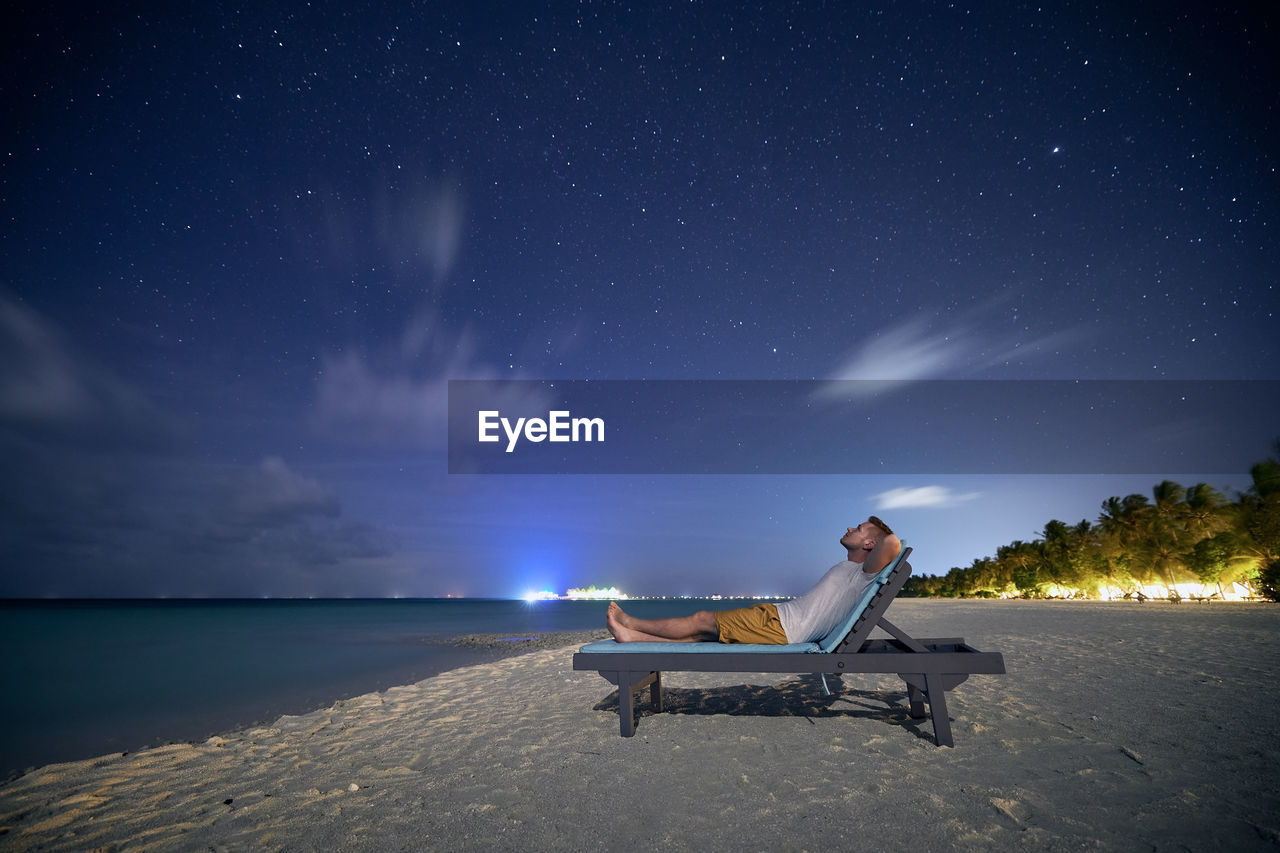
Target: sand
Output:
{"points": [[1117, 726]]}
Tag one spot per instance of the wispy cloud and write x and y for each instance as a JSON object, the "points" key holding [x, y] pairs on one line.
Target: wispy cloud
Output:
{"points": [[905, 352], [421, 224], [49, 389], [100, 497], [272, 494], [406, 228], [270, 515], [969, 346], [936, 497], [398, 396]]}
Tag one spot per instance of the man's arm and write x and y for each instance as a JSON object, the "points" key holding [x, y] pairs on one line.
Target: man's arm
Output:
{"points": [[882, 555]]}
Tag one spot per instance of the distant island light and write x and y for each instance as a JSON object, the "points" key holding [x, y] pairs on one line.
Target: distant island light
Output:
{"points": [[577, 594], [612, 593], [592, 593]]}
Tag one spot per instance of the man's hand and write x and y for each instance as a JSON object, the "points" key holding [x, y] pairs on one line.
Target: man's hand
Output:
{"points": [[882, 555]]}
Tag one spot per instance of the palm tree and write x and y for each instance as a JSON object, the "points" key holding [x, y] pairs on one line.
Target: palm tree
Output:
{"points": [[1121, 530], [1205, 510], [1091, 565], [1217, 558], [1122, 517], [1258, 524], [1162, 542], [1056, 554], [1020, 561], [1167, 496]]}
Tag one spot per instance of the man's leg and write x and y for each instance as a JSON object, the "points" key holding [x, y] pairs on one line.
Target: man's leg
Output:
{"points": [[699, 627]]}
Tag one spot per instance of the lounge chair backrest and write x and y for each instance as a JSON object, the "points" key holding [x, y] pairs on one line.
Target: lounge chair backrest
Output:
{"points": [[868, 610]]}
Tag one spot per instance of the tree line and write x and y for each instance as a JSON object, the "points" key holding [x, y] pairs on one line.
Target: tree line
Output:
{"points": [[1178, 534]]}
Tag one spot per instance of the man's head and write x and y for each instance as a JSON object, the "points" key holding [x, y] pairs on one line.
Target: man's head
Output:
{"points": [[881, 526], [861, 539]]}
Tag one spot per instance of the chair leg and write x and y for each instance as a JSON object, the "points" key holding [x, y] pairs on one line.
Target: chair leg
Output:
{"points": [[915, 698], [936, 693], [628, 683], [626, 705]]}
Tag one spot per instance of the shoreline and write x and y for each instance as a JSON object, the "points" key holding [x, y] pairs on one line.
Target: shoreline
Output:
{"points": [[1116, 726], [114, 736]]}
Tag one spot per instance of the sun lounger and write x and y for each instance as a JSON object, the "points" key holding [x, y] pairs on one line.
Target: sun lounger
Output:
{"points": [[929, 667]]}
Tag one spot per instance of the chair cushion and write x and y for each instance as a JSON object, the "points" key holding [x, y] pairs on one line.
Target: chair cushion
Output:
{"points": [[613, 646]]}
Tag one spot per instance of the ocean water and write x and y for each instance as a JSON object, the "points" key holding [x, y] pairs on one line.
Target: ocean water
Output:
{"points": [[86, 678]]}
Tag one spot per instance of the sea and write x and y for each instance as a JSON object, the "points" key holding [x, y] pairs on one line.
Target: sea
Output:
{"points": [[86, 678]]}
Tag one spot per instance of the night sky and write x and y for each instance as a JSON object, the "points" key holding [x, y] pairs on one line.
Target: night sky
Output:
{"points": [[245, 249]]}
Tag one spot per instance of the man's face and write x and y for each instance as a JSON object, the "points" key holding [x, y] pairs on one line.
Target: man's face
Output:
{"points": [[860, 537]]}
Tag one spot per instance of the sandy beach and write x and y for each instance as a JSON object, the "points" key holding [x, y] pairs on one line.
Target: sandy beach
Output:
{"points": [[1117, 726]]}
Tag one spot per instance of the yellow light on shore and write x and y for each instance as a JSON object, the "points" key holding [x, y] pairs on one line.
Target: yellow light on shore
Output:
{"points": [[1187, 591]]}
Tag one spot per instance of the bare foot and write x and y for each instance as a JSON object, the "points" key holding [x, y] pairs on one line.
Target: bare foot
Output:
{"points": [[616, 619], [619, 615]]}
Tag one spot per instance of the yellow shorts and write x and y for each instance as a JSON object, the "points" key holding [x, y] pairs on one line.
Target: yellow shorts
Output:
{"points": [[758, 624]]}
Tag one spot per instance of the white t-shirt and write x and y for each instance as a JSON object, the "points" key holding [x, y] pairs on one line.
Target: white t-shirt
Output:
{"points": [[812, 616]]}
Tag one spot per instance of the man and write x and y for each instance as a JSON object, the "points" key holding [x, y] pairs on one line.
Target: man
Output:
{"points": [[871, 546]]}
